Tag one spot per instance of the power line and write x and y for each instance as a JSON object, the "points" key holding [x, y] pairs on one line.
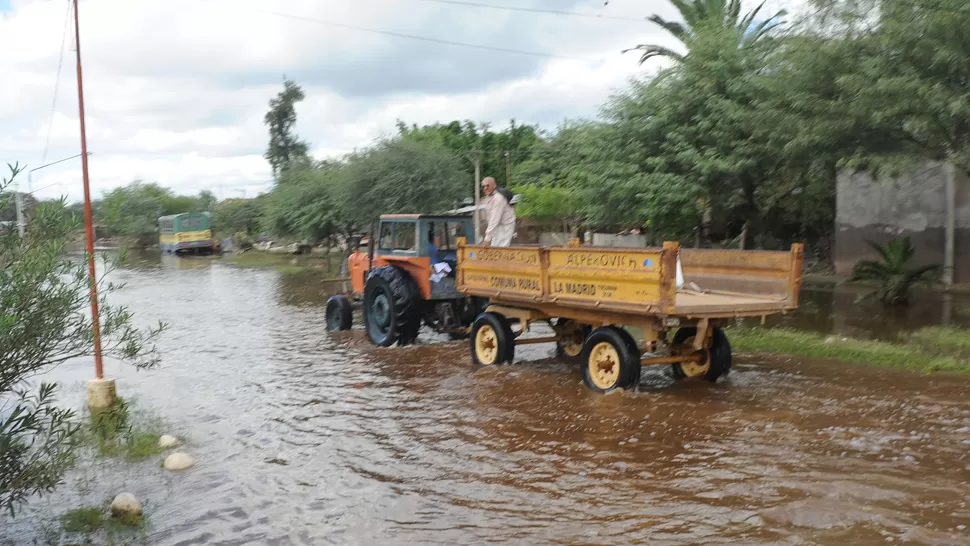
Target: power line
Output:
{"points": [[538, 10], [416, 37], [57, 83]]}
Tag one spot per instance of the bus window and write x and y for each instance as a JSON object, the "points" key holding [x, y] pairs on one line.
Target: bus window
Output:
{"points": [[192, 223]]}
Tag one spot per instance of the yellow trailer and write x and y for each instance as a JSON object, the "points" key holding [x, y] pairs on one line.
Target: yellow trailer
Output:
{"points": [[589, 294]]}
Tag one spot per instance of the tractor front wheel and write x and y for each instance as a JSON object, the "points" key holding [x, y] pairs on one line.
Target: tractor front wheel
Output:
{"points": [[391, 307], [340, 314]]}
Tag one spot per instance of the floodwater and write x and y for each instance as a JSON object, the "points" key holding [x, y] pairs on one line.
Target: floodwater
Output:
{"points": [[303, 437], [835, 310]]}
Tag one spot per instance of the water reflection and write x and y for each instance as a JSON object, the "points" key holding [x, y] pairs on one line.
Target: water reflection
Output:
{"points": [[835, 310]]}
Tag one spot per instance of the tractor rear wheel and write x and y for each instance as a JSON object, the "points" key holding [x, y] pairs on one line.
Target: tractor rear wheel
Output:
{"points": [[340, 314], [391, 307]]}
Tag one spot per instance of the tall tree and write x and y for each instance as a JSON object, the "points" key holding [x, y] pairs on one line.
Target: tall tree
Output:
{"points": [[285, 148], [207, 200], [470, 142], [238, 216], [710, 16], [912, 87]]}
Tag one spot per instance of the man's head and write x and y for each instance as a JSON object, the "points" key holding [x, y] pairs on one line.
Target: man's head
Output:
{"points": [[488, 185]]}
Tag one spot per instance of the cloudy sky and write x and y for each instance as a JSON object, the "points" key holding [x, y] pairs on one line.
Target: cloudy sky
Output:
{"points": [[176, 90]]}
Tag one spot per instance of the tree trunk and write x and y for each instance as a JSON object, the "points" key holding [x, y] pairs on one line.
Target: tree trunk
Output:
{"points": [[750, 215]]}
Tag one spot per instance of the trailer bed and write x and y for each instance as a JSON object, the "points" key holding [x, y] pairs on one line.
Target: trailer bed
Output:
{"points": [[715, 284], [708, 303]]}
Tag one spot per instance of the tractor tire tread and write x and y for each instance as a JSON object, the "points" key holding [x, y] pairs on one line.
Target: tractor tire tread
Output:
{"points": [[404, 296]]}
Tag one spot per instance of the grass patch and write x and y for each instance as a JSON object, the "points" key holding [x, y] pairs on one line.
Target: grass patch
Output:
{"points": [[124, 432], [943, 340], [89, 519], [93, 525], [872, 353], [287, 264]]}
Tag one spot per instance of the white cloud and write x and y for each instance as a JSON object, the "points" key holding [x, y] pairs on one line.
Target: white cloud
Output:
{"points": [[175, 90]]}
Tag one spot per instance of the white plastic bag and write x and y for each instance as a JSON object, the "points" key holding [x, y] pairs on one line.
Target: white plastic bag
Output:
{"points": [[680, 273]]}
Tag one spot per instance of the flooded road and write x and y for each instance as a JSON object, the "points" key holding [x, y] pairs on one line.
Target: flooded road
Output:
{"points": [[309, 438]]}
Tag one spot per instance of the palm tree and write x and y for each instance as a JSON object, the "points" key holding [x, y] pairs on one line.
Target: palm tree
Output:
{"points": [[718, 14], [894, 271]]}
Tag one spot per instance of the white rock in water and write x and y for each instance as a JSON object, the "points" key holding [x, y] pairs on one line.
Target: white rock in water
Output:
{"points": [[167, 441], [125, 503], [178, 461]]}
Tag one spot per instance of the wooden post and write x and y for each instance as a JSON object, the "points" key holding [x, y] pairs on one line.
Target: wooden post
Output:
{"points": [[668, 277]]}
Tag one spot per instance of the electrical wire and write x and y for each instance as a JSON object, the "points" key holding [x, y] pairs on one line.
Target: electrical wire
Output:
{"points": [[538, 10], [420, 38], [57, 83]]}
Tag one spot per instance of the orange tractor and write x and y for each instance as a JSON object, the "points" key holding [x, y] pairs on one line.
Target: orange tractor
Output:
{"points": [[406, 279]]}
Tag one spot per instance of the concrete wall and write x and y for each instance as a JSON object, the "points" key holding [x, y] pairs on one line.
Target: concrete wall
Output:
{"points": [[912, 205], [551, 238], [619, 241]]}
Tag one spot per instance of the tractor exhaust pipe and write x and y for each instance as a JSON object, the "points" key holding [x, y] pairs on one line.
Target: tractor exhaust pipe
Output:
{"points": [[370, 247]]}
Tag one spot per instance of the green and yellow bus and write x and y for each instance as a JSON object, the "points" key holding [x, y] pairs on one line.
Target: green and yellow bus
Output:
{"points": [[183, 233]]}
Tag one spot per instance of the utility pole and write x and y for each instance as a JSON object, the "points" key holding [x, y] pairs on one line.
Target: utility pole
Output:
{"points": [[21, 223], [20, 210], [101, 392], [949, 228], [478, 196], [508, 169]]}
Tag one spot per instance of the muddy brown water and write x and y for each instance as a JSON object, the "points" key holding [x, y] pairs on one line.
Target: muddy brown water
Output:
{"points": [[304, 437]]}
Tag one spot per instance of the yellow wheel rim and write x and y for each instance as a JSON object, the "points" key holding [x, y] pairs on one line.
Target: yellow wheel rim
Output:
{"points": [[486, 345], [572, 340], [604, 365], [696, 368]]}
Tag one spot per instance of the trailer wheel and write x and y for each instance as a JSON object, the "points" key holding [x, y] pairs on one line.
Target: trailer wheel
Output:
{"points": [[569, 347], [339, 314], [718, 356], [492, 341], [609, 360], [390, 307], [634, 376]]}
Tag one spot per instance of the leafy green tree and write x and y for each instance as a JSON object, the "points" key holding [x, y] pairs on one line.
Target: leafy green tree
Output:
{"points": [[696, 133], [400, 176], [304, 205], [285, 148], [44, 322], [469, 142], [911, 86], [238, 215], [894, 271], [133, 210], [703, 16]]}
